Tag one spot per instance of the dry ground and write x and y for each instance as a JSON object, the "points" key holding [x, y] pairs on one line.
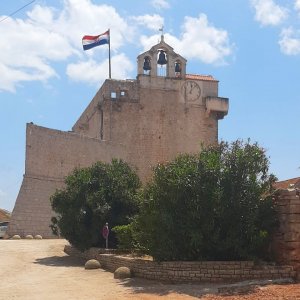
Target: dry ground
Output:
{"points": [[39, 269]]}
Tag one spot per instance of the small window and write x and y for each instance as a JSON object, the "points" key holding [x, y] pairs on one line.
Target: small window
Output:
{"points": [[162, 61], [147, 65], [123, 93], [177, 68], [113, 95]]}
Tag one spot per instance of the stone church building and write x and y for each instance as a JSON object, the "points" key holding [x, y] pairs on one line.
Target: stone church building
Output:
{"points": [[151, 119]]}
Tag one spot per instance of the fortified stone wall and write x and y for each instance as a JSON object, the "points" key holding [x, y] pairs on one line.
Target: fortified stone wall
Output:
{"points": [[89, 123], [145, 123], [50, 156], [32, 212], [286, 242], [90, 120], [54, 153], [152, 118]]}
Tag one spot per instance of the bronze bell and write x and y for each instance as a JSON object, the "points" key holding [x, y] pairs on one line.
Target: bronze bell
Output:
{"points": [[162, 58], [147, 66], [177, 67]]}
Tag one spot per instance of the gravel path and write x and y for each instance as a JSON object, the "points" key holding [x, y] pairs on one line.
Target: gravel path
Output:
{"points": [[39, 269]]}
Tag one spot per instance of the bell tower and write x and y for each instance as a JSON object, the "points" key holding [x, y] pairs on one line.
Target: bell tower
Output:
{"points": [[161, 61]]}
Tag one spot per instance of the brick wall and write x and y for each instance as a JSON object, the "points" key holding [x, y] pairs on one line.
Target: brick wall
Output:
{"points": [[286, 243], [183, 271]]}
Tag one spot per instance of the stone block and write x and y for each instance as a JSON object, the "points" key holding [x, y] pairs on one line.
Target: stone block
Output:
{"points": [[294, 218], [92, 264], [124, 272], [16, 237], [294, 208], [292, 236]]}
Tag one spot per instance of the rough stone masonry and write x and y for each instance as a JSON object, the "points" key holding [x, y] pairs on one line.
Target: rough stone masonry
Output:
{"points": [[151, 119]]}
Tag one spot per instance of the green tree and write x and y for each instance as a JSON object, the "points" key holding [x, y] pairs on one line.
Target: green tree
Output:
{"points": [[93, 196], [215, 205]]}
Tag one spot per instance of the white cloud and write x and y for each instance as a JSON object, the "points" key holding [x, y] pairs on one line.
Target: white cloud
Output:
{"points": [[200, 40], [26, 51], [81, 17], [11, 76], [93, 72], [290, 41], [270, 13], [297, 5], [267, 12], [160, 4], [153, 22], [30, 46], [42, 15]]}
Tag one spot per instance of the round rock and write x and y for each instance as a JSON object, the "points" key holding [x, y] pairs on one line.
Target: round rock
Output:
{"points": [[122, 272], [92, 264], [38, 237], [16, 237], [28, 237]]}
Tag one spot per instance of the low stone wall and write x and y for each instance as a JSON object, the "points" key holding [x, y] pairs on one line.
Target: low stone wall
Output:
{"points": [[184, 271]]}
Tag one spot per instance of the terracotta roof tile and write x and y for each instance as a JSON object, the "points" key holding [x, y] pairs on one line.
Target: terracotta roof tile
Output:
{"points": [[200, 77], [284, 184], [4, 215]]}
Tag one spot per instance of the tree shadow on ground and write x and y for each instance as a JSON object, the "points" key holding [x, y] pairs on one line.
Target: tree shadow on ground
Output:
{"points": [[156, 288], [60, 261]]}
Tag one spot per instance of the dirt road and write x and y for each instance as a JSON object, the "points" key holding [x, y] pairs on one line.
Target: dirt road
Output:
{"points": [[39, 269]]}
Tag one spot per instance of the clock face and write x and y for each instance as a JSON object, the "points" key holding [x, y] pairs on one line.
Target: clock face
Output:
{"points": [[191, 91]]}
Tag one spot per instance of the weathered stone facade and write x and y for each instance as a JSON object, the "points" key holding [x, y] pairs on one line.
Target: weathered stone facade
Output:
{"points": [[144, 121], [50, 156]]}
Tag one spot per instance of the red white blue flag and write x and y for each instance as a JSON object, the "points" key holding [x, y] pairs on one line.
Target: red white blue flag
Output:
{"points": [[91, 41]]}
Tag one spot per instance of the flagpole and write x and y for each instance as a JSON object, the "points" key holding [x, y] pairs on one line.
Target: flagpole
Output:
{"points": [[109, 64]]}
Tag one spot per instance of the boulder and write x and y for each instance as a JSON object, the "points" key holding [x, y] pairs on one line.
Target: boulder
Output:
{"points": [[28, 237], [16, 237], [38, 237], [122, 272], [92, 264]]}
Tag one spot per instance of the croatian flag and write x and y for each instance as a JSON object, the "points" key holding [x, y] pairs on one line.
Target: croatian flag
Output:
{"points": [[91, 41]]}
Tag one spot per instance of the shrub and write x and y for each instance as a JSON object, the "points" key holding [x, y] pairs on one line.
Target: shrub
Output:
{"points": [[93, 196], [212, 206], [124, 236]]}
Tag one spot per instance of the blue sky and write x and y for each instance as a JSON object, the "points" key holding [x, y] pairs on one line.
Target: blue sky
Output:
{"points": [[252, 47]]}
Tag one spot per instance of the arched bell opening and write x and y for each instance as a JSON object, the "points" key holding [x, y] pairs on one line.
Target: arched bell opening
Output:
{"points": [[162, 62], [178, 68], [147, 65]]}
